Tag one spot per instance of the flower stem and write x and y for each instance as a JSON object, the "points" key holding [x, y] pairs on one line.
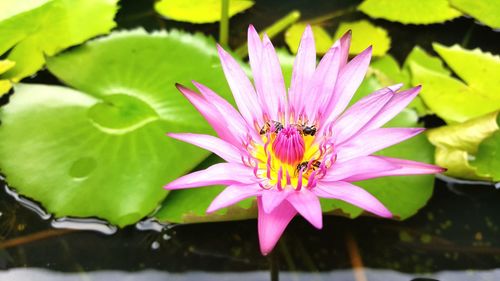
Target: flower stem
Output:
{"points": [[224, 24], [272, 30]]}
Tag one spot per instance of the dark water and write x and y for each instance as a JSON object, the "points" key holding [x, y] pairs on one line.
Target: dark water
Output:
{"points": [[455, 237]]}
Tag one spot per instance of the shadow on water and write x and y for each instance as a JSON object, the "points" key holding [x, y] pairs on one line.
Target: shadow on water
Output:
{"points": [[455, 237]]}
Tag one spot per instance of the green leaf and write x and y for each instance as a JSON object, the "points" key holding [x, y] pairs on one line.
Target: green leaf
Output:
{"points": [[365, 34], [101, 150], [478, 69], [419, 56], [409, 11], [487, 161], [458, 143], [322, 39], [32, 30], [485, 11], [199, 11], [450, 98]]}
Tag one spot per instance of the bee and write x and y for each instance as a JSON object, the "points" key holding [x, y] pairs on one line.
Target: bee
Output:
{"points": [[303, 166], [306, 130], [267, 127]]}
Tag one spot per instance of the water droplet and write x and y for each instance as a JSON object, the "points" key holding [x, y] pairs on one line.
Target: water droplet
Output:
{"points": [[35, 207], [91, 224], [151, 224], [82, 167], [155, 245]]}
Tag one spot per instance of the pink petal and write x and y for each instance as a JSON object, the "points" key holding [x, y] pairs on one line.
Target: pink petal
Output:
{"points": [[242, 89], [350, 77], [233, 194], [235, 123], [254, 48], [372, 141], [222, 173], [352, 169], [358, 115], [398, 102], [269, 81], [273, 198], [272, 225], [307, 204], [211, 114], [405, 167], [303, 70], [323, 83], [353, 195], [220, 147], [345, 43]]}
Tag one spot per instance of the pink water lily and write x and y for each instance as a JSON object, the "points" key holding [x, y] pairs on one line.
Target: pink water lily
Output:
{"points": [[288, 148]]}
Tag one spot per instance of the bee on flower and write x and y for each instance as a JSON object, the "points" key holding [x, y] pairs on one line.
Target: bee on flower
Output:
{"points": [[289, 148]]}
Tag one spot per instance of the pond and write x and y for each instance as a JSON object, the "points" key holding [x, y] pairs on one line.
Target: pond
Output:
{"points": [[455, 236]]}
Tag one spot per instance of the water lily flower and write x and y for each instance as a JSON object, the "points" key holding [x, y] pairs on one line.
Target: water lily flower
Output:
{"points": [[288, 148]]}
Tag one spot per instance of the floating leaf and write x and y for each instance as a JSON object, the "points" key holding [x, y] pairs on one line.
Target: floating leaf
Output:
{"points": [[485, 11], [450, 98], [456, 144], [199, 11], [364, 35], [321, 37], [101, 150], [5, 84], [32, 30], [419, 56], [487, 160], [409, 11]]}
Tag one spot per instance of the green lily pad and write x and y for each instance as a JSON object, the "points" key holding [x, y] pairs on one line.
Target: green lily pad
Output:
{"points": [[365, 34], [199, 11], [409, 11], [452, 99], [487, 160], [101, 150], [322, 39], [485, 11], [458, 143], [32, 30]]}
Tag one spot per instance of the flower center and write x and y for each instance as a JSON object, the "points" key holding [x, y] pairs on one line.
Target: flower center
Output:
{"points": [[289, 146]]}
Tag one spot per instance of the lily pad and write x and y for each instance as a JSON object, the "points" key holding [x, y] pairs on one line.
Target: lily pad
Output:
{"points": [[452, 99], [199, 11], [101, 150], [365, 34], [458, 143], [322, 39], [32, 30], [409, 11], [487, 160], [485, 11]]}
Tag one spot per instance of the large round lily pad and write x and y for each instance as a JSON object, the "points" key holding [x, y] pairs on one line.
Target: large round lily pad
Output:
{"points": [[101, 150]]}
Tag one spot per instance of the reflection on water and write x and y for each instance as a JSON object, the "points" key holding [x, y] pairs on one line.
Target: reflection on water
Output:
{"points": [[153, 275], [455, 237]]}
